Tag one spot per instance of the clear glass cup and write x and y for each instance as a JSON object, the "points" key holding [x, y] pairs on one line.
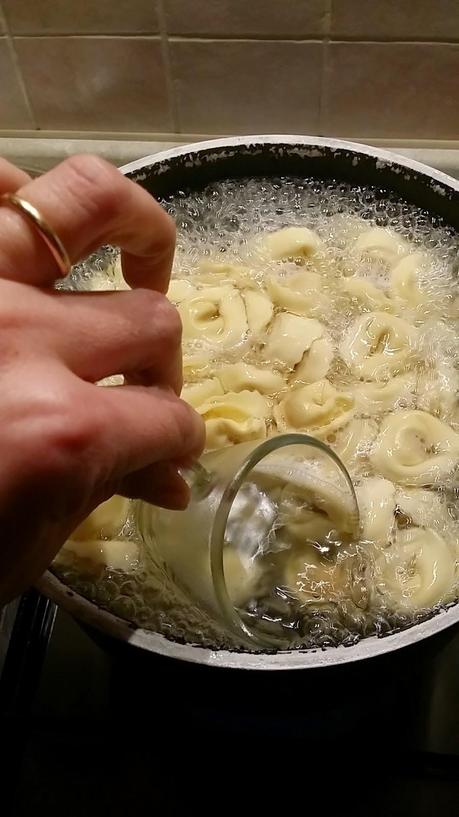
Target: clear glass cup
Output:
{"points": [[232, 529]]}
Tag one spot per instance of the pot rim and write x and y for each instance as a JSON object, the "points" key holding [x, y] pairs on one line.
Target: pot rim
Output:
{"points": [[94, 616], [385, 156], [110, 624]]}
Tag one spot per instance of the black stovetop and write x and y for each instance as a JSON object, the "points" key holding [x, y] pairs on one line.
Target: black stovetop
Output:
{"points": [[91, 730]]}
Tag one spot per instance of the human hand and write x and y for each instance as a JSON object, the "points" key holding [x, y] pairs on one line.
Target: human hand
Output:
{"points": [[66, 443]]}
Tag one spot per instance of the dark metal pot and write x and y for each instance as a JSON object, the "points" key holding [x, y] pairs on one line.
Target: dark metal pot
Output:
{"points": [[192, 167]]}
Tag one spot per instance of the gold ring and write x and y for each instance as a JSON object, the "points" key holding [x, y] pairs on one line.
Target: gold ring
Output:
{"points": [[47, 233]]}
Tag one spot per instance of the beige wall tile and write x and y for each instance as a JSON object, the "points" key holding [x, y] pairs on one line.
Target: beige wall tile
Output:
{"points": [[396, 19], [81, 16], [95, 83], [14, 112], [392, 90], [243, 87], [255, 18]]}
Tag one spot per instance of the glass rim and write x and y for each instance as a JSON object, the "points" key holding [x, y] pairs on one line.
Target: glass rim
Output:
{"points": [[229, 611]]}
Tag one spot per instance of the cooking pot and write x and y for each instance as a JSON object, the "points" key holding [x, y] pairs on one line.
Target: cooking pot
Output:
{"points": [[192, 167]]}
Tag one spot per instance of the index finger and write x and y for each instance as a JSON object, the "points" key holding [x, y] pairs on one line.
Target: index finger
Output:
{"points": [[88, 202]]}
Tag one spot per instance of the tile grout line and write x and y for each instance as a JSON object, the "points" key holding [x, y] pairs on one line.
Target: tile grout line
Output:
{"points": [[119, 137], [17, 67], [165, 51], [215, 38]]}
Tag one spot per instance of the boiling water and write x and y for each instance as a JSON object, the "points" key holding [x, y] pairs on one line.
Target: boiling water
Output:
{"points": [[228, 223]]}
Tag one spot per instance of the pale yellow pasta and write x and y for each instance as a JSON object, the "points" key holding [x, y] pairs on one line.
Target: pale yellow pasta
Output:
{"points": [[378, 345], [366, 295], [196, 366], [299, 293], [438, 391], [197, 393], [380, 244], [318, 409], [378, 398], [186, 554], [315, 362], [404, 281], [415, 449], [354, 441], [308, 527], [376, 499], [180, 289], [259, 310], [240, 376], [290, 337], [234, 417], [105, 521], [215, 316], [242, 577], [423, 508], [418, 571], [96, 554], [108, 279], [294, 243], [313, 578], [211, 272], [315, 487]]}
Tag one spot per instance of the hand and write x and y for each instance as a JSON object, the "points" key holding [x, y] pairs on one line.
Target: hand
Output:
{"points": [[67, 444]]}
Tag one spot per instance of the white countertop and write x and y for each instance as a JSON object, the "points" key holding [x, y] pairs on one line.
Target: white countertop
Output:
{"points": [[41, 154]]}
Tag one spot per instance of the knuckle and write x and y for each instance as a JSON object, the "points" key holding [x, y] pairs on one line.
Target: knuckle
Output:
{"points": [[96, 183], [69, 437], [159, 316]]}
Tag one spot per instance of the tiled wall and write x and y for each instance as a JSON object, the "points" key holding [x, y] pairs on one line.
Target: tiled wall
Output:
{"points": [[357, 68]]}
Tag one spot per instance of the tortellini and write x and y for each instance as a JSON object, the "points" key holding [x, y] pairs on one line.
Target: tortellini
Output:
{"points": [[214, 315], [354, 442], [97, 554], [180, 289], [318, 409], [378, 398], [105, 521], [299, 293], [418, 571], [316, 487], [94, 541], [294, 243], [313, 578], [234, 418], [415, 449], [438, 391], [305, 525], [185, 553], [197, 393], [368, 296], [211, 272], [404, 283], [376, 498], [290, 337], [108, 279], [315, 362], [378, 345], [240, 376], [259, 309], [423, 508], [380, 244], [196, 366]]}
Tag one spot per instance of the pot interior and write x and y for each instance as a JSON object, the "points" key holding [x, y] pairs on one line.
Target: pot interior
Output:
{"points": [[195, 169]]}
